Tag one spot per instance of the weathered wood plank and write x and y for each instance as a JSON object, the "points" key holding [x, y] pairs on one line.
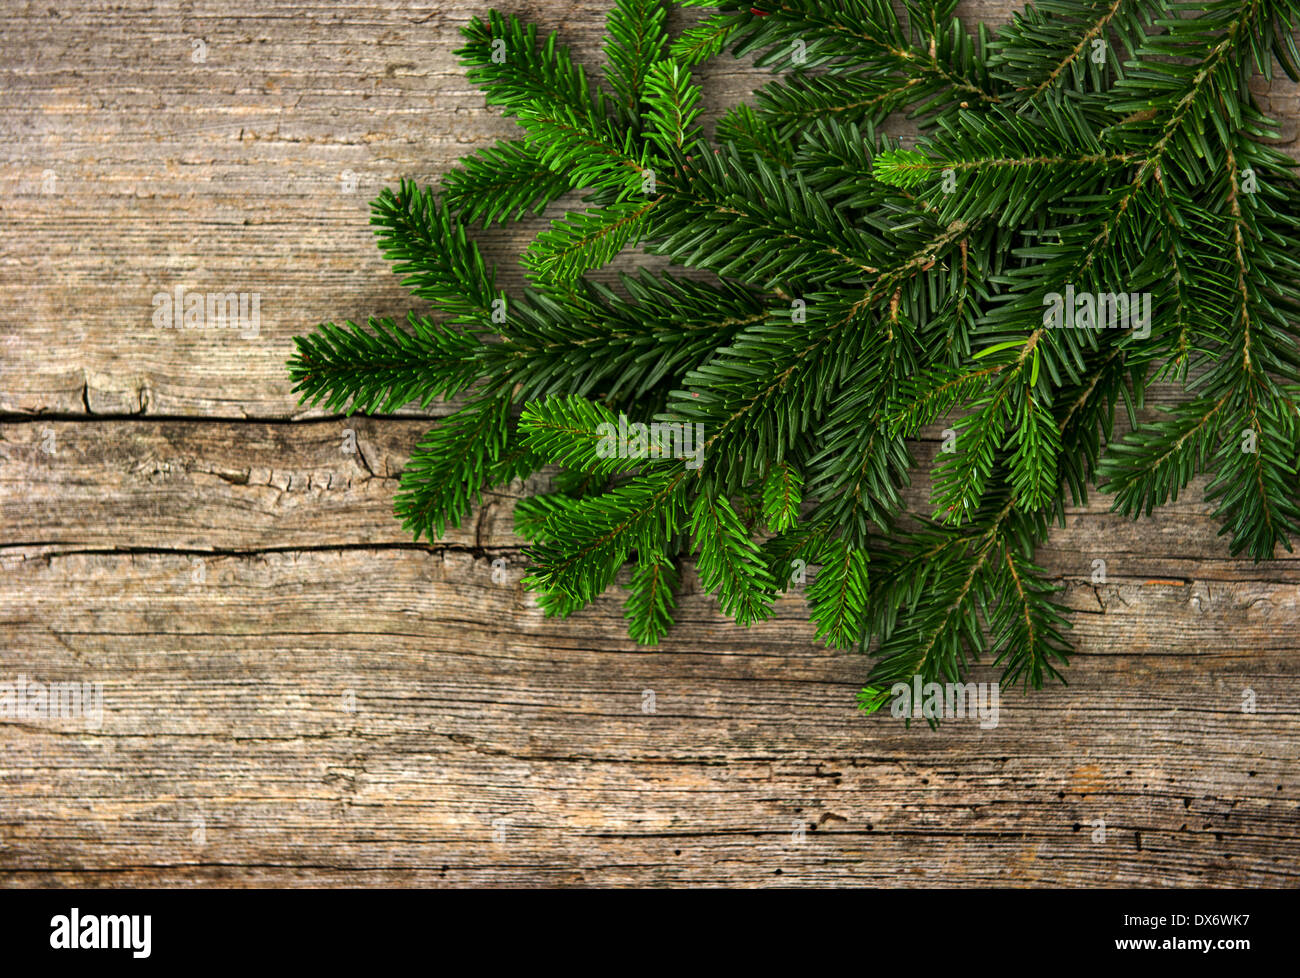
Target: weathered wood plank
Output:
{"points": [[224, 701], [181, 485], [68, 486]]}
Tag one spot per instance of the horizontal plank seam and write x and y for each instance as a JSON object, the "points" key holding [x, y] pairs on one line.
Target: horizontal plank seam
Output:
{"points": [[18, 418]]}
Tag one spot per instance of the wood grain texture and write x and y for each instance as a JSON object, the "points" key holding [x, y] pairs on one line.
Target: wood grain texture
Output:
{"points": [[295, 694]]}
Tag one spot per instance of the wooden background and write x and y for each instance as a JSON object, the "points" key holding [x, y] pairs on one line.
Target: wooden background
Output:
{"points": [[203, 547]]}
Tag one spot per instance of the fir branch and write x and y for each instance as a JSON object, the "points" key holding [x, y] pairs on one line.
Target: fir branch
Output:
{"points": [[501, 183], [578, 243], [578, 434], [651, 599], [455, 463], [431, 249], [729, 562], [781, 497], [839, 597], [705, 39], [791, 107], [584, 545], [862, 293], [634, 43], [595, 155], [674, 106], [503, 57], [1026, 625], [379, 368], [741, 126]]}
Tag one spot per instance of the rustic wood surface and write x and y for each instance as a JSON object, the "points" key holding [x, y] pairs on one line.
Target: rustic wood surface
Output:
{"points": [[295, 694]]}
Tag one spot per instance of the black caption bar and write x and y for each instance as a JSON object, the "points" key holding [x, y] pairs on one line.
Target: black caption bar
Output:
{"points": [[133, 930]]}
